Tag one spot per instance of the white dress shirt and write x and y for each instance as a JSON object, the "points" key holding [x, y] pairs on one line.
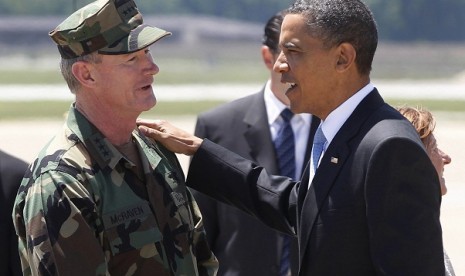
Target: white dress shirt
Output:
{"points": [[300, 125]]}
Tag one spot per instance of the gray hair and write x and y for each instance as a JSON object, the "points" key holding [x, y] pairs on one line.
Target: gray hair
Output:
{"points": [[66, 66], [339, 21]]}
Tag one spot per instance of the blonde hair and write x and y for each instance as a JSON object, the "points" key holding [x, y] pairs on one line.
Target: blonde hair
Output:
{"points": [[422, 120]]}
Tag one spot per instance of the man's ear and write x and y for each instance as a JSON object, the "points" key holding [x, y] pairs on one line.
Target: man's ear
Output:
{"points": [[267, 56], [346, 56], [82, 71]]}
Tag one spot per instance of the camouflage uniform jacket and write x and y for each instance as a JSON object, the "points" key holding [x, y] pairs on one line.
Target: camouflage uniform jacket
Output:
{"points": [[77, 212]]}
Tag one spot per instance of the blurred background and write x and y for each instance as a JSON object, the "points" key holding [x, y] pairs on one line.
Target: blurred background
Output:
{"points": [[217, 41], [213, 56], [214, 53]]}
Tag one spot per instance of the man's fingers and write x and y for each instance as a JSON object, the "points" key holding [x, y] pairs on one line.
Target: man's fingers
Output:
{"points": [[150, 132], [156, 134], [175, 139], [155, 124]]}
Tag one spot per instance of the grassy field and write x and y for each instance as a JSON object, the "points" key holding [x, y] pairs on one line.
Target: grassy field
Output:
{"points": [[226, 62], [56, 109]]}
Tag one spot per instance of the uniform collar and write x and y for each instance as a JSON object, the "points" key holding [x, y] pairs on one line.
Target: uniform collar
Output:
{"points": [[97, 145]]}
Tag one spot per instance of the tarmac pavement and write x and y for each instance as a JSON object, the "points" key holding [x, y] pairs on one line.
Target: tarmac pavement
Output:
{"points": [[25, 139]]}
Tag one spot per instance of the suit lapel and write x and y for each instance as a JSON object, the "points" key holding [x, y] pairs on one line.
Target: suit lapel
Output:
{"points": [[330, 167], [313, 127], [258, 136], [306, 165], [312, 199]]}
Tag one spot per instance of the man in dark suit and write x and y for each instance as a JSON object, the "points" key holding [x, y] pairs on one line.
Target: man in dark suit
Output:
{"points": [[370, 204], [248, 126], [12, 171]]}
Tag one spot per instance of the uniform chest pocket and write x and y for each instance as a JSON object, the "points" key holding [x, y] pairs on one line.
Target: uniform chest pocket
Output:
{"points": [[130, 228]]}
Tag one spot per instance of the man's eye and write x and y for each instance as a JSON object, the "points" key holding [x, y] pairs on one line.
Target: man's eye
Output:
{"points": [[291, 50]]}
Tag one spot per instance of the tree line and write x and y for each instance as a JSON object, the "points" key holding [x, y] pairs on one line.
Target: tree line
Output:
{"points": [[398, 20]]}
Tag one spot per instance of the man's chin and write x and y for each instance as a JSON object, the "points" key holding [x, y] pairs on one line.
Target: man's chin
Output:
{"points": [[149, 103]]}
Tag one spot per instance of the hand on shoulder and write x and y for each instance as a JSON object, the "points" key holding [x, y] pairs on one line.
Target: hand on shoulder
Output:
{"points": [[173, 138]]}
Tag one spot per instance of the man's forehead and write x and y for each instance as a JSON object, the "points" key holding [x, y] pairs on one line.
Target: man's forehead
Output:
{"points": [[295, 24], [293, 29], [292, 19]]}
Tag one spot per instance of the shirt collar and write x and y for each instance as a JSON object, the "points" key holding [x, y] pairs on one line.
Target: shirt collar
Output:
{"points": [[274, 107], [331, 125]]}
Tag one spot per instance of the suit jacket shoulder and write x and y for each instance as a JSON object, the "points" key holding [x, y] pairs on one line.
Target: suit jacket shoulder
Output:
{"points": [[12, 170], [232, 114]]}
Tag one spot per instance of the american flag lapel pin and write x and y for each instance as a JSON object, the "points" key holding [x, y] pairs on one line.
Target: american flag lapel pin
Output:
{"points": [[334, 160]]}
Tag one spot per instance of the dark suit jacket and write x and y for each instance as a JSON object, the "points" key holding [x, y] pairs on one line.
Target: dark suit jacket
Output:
{"points": [[243, 244], [11, 173], [372, 208]]}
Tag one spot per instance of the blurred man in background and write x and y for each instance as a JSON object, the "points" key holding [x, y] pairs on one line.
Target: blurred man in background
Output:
{"points": [[250, 126]]}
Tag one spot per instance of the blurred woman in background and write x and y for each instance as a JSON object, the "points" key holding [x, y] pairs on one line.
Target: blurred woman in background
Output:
{"points": [[424, 123]]}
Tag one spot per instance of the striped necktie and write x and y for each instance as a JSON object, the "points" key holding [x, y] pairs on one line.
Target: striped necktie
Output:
{"points": [[285, 145], [285, 151]]}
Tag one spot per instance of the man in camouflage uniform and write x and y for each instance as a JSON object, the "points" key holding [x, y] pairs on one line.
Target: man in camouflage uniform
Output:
{"points": [[102, 199]]}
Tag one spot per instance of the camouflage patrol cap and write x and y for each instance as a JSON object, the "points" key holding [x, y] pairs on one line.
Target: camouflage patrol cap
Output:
{"points": [[110, 27]]}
